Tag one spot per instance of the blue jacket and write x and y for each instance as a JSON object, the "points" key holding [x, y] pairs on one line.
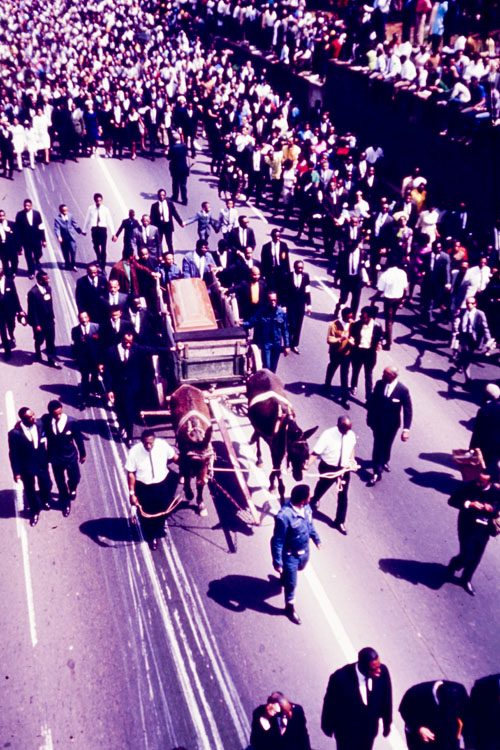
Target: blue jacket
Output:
{"points": [[270, 327], [190, 269], [292, 533], [66, 230]]}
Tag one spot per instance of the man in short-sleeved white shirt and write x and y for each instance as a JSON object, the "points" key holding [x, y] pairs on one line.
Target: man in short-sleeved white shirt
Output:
{"points": [[391, 286]]}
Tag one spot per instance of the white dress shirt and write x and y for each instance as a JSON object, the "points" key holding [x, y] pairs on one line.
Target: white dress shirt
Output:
{"points": [[150, 467], [334, 448], [365, 685], [98, 217], [31, 433], [393, 283]]}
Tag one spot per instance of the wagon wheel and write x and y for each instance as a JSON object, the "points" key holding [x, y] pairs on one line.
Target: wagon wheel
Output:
{"points": [[254, 359]]}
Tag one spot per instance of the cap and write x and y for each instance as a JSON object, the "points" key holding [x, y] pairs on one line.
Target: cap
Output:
{"points": [[493, 391]]}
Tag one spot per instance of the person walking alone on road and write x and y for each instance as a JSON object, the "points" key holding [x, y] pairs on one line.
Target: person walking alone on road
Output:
{"points": [[384, 407], [66, 450], [290, 543], [335, 450], [29, 463], [357, 697]]}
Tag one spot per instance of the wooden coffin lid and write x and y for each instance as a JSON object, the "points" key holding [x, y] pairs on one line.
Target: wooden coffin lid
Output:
{"points": [[190, 306]]}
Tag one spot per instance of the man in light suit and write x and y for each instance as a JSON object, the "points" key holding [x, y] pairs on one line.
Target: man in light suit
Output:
{"points": [[147, 236], [31, 236], [162, 215], [384, 407], [357, 697], [473, 334], [29, 463], [199, 263], [66, 230]]}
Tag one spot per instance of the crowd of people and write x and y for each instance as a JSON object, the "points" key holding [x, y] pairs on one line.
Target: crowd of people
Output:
{"points": [[110, 77]]}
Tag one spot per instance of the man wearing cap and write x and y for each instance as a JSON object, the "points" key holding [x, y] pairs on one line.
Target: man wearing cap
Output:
{"points": [[293, 528]]}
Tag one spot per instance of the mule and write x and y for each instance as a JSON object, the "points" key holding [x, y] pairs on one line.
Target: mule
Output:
{"points": [[193, 432], [273, 419]]}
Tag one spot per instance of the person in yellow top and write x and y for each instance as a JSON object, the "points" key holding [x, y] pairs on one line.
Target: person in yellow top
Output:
{"points": [[340, 346]]}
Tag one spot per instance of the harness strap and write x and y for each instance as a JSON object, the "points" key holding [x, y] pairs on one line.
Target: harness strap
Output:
{"points": [[194, 413], [269, 394]]}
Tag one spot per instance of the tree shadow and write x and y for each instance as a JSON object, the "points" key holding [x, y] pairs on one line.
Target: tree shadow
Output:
{"points": [[110, 532], [239, 593], [432, 575], [436, 480]]}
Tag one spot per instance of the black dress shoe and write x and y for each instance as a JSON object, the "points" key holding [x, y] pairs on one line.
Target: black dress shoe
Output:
{"points": [[345, 405], [373, 481], [295, 350], [292, 614], [46, 506], [66, 511], [387, 467], [341, 528], [153, 544], [469, 588], [55, 365], [34, 519]]}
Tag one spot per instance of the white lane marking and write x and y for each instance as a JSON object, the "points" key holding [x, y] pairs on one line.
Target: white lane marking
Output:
{"points": [[326, 288], [256, 211], [47, 743], [333, 620], [10, 411]]}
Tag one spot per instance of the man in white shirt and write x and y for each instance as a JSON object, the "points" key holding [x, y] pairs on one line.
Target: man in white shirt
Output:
{"points": [[99, 220], [335, 450], [151, 485], [391, 286]]}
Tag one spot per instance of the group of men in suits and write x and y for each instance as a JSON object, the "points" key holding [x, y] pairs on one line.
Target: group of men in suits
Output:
{"points": [[35, 444]]}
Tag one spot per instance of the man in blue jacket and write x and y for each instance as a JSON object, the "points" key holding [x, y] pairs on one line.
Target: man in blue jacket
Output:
{"points": [[66, 230], [271, 332], [293, 528]]}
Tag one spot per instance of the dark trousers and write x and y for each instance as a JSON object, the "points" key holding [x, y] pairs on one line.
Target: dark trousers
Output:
{"points": [[99, 241], [87, 374], [47, 334], [383, 439], [256, 185], [33, 255], [68, 247], [295, 321], [350, 285], [270, 356], [365, 358], [10, 260], [7, 327], [390, 308], [179, 184], [292, 563], [165, 230], [44, 486], [67, 478], [338, 360], [324, 484], [472, 538]]}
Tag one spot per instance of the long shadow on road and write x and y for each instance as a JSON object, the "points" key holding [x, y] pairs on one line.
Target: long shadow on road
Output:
{"points": [[430, 574], [239, 593]]}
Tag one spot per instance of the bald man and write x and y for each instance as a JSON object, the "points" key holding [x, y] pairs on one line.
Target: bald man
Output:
{"points": [[384, 407]]}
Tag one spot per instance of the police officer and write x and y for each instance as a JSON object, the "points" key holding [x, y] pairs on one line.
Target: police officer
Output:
{"points": [[290, 543]]}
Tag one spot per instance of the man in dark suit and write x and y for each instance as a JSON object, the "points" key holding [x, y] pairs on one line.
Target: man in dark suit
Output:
{"points": [[41, 318], [251, 295], [152, 119], [486, 432], [351, 274], [279, 724], [357, 697], [113, 298], [90, 289], [85, 341], [65, 450], [478, 503], [144, 323], [128, 226], [435, 715], [28, 460], [384, 407], [296, 298], [242, 236], [241, 265], [275, 261], [148, 236], [8, 245], [112, 328], [382, 235], [179, 169], [128, 371], [200, 263], [485, 713], [66, 230], [162, 215], [367, 341], [31, 236], [436, 280], [10, 310]]}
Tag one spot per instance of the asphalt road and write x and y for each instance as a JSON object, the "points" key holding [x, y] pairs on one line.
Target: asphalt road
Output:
{"points": [[107, 645]]}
